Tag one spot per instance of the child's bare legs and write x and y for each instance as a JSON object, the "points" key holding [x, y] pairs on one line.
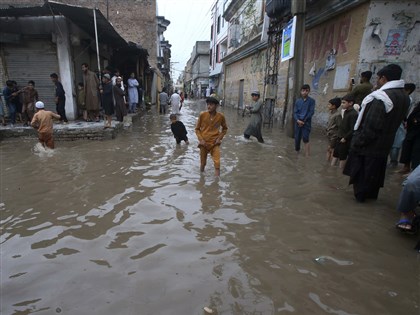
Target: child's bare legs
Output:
{"points": [[330, 152], [217, 172], [85, 115], [203, 158], [334, 161], [342, 164], [307, 149]]}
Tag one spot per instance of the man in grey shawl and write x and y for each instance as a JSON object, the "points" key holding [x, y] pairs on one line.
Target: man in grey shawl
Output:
{"points": [[254, 127]]}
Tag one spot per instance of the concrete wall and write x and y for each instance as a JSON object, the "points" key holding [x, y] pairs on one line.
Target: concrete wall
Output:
{"points": [[389, 21], [252, 71], [341, 36]]}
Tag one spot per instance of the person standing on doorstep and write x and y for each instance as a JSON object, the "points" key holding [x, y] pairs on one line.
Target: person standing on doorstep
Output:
{"points": [[381, 112], [3, 120], [141, 103], [334, 122], [17, 99], [401, 133], [30, 97], [163, 101], [360, 91], [175, 101], [107, 100], [43, 122], [91, 85], [303, 112], [115, 76], [81, 105], [120, 103], [346, 129], [133, 93], [60, 98], [255, 124], [178, 130], [210, 129], [10, 97]]}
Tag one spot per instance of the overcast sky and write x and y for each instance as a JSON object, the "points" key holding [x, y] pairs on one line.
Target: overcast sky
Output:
{"points": [[190, 22]]}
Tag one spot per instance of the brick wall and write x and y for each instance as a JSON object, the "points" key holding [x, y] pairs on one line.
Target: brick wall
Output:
{"points": [[134, 20]]}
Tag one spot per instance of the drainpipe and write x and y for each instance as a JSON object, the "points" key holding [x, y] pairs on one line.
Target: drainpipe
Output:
{"points": [[296, 64], [97, 45]]}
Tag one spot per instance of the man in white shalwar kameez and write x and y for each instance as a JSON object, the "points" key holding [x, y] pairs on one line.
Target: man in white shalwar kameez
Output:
{"points": [[175, 102]]}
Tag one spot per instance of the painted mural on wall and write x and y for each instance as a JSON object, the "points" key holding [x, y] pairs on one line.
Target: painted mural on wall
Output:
{"points": [[394, 42]]}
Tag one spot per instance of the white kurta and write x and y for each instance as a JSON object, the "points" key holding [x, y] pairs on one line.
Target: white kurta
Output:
{"points": [[133, 94], [175, 102]]}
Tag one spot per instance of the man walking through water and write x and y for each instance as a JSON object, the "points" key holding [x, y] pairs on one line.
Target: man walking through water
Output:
{"points": [[43, 122], [381, 113], [254, 127]]}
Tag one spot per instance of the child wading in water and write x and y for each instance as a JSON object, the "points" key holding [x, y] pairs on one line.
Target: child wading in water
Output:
{"points": [[334, 123], [210, 129], [178, 129], [43, 121], [345, 131], [303, 112]]}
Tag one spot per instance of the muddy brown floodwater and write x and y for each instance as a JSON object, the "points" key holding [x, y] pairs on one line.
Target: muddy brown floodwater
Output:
{"points": [[130, 226]]}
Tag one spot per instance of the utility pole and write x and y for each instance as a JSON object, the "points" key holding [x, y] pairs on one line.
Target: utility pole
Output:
{"points": [[296, 64]]}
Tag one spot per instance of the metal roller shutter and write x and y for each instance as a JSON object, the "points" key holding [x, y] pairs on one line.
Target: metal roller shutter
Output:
{"points": [[33, 60]]}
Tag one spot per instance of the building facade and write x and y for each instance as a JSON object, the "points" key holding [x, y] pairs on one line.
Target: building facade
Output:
{"points": [[137, 24], [342, 38], [218, 46], [56, 38], [200, 58], [244, 62]]}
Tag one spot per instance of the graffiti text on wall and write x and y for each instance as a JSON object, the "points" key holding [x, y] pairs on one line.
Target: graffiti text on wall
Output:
{"points": [[320, 42]]}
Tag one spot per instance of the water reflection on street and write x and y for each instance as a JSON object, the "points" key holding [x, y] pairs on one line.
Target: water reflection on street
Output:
{"points": [[130, 226]]}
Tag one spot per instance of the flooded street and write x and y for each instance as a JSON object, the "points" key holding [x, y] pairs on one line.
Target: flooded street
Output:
{"points": [[130, 226]]}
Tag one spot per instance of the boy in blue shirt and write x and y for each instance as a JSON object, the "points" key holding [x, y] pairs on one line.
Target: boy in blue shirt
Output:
{"points": [[303, 112]]}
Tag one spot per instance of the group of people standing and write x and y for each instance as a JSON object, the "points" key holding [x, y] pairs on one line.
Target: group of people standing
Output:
{"points": [[388, 120], [111, 94]]}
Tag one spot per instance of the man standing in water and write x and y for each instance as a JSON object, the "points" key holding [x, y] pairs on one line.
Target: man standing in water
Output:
{"points": [[91, 85], [254, 127], [43, 121], [210, 129], [381, 113]]}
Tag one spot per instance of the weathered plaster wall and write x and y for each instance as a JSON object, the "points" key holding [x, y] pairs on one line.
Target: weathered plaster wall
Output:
{"points": [[252, 71], [392, 35], [331, 56]]}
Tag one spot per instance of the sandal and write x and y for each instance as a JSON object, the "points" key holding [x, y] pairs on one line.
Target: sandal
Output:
{"points": [[408, 226]]}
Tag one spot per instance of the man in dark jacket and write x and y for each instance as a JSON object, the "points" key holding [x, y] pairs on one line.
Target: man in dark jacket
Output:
{"points": [[60, 98], [380, 115]]}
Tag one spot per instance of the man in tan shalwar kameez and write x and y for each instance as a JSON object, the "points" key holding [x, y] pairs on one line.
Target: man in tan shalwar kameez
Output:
{"points": [[91, 87]]}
